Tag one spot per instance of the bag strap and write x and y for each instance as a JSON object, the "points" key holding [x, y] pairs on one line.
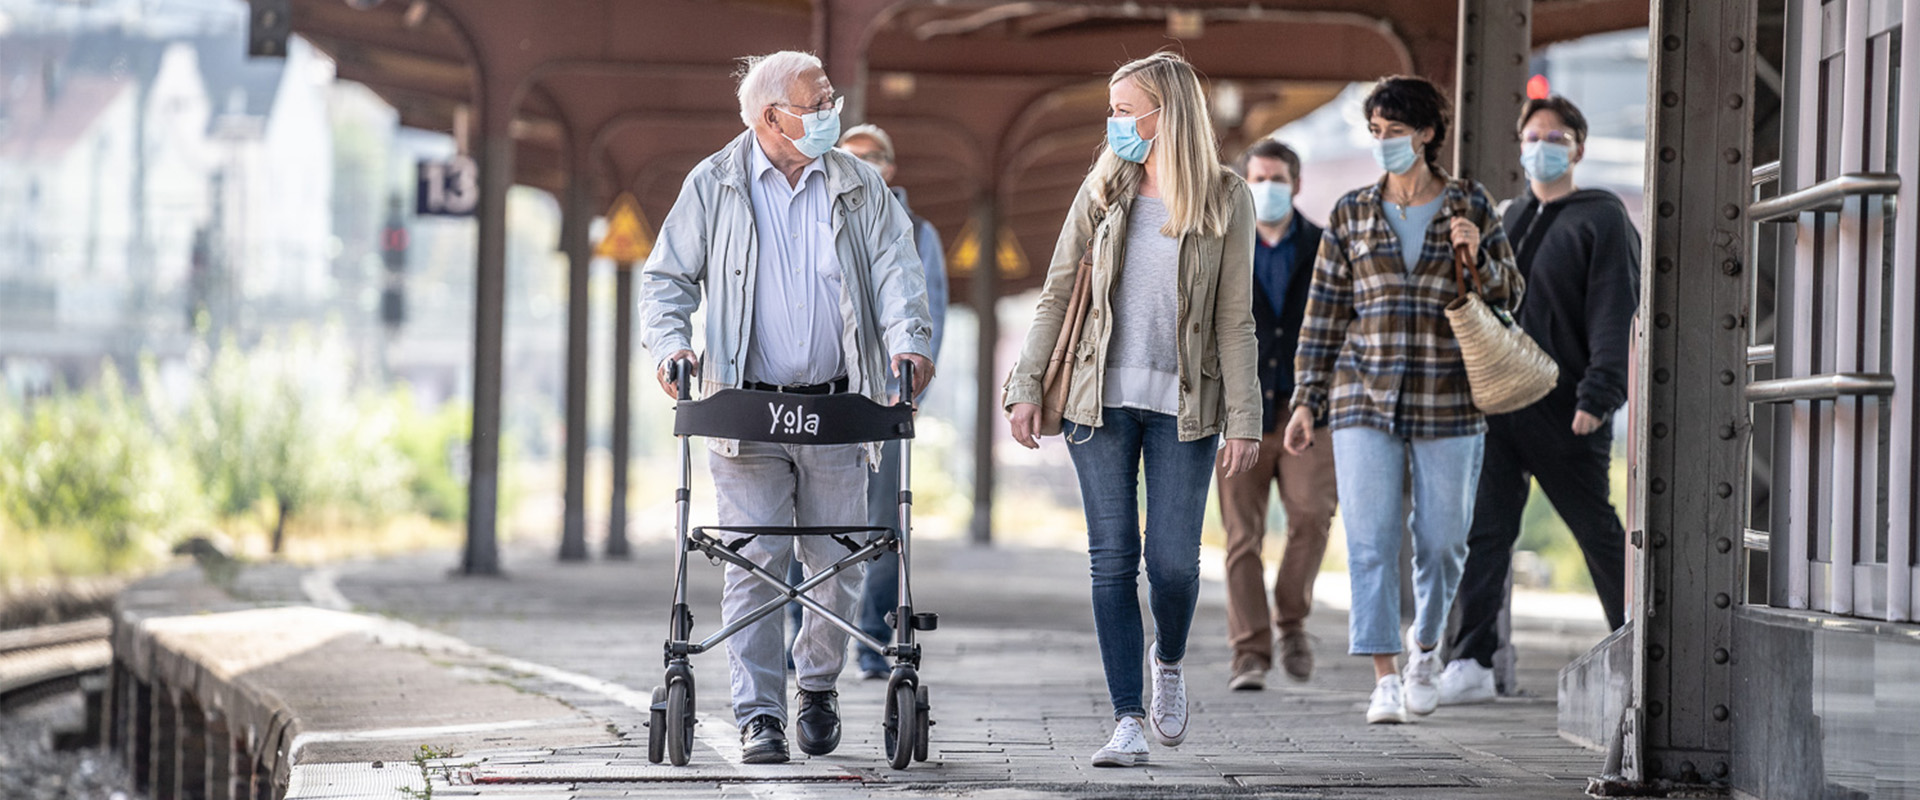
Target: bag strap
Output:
{"points": [[1463, 266], [1464, 260], [1535, 220]]}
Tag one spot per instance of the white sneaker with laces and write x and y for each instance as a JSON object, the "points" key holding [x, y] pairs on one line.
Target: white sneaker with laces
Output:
{"points": [[1127, 748], [1465, 681], [1169, 704], [1423, 667], [1387, 705]]}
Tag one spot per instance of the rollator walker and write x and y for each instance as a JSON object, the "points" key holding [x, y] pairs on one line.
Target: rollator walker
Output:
{"points": [[786, 418]]}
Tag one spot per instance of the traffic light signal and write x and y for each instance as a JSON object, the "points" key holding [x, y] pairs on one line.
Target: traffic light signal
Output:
{"points": [[393, 253]]}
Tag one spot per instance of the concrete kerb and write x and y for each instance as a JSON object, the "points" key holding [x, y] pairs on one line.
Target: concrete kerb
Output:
{"points": [[268, 678]]}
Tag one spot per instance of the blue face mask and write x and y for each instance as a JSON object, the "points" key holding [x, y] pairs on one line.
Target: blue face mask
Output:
{"points": [[1123, 138], [1272, 200], [1545, 162], [1394, 155], [822, 134]]}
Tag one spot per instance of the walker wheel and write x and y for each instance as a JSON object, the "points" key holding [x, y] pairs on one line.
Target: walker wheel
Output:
{"points": [[925, 718], [657, 727], [903, 726], [679, 725]]}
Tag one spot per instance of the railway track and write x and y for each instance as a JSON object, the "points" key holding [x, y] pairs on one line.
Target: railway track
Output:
{"points": [[39, 662]]}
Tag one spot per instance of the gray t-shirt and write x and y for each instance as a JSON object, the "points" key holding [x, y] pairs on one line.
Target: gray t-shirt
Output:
{"points": [[1143, 367]]}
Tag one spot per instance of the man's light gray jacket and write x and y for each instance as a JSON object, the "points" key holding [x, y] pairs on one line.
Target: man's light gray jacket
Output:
{"points": [[707, 248]]}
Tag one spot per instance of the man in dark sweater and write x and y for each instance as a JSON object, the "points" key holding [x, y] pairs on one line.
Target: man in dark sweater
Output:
{"points": [[1580, 255], [1285, 245]]}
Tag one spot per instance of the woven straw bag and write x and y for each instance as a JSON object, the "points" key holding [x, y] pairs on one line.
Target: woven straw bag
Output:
{"points": [[1506, 369], [1058, 377]]}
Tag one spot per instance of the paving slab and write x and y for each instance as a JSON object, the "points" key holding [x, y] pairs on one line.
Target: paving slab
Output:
{"points": [[1018, 696]]}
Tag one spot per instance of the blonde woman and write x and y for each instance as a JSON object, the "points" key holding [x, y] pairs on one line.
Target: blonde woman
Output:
{"points": [[1164, 368]]}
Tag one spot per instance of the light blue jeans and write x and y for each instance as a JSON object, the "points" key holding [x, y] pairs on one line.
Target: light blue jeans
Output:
{"points": [[787, 484], [1371, 467]]}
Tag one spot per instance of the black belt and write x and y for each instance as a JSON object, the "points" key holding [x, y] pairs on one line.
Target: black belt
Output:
{"points": [[835, 386]]}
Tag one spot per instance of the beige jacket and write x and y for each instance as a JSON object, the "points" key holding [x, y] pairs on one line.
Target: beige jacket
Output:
{"points": [[1219, 388]]}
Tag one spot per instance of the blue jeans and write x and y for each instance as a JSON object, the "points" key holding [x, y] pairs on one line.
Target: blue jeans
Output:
{"points": [[1178, 474], [1370, 467], [881, 593]]}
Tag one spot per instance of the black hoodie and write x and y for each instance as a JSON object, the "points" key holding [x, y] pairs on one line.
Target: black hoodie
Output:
{"points": [[1580, 256]]}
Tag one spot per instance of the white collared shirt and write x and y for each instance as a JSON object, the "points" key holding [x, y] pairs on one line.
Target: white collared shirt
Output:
{"points": [[797, 323]]}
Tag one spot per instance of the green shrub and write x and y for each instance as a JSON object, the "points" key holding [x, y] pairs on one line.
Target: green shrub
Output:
{"points": [[85, 474], [429, 441]]}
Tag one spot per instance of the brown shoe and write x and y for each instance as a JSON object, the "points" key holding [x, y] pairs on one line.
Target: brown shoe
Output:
{"points": [[1296, 655], [1249, 675]]}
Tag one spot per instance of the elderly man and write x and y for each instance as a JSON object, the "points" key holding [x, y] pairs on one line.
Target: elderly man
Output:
{"points": [[807, 266], [871, 144]]}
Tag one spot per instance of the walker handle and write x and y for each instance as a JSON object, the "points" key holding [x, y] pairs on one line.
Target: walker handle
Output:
{"points": [[680, 370]]}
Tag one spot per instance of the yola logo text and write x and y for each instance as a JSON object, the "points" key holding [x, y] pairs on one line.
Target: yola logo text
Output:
{"points": [[793, 420]]}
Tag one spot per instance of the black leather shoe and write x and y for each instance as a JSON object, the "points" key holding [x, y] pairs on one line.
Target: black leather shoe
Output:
{"points": [[817, 725], [762, 741]]}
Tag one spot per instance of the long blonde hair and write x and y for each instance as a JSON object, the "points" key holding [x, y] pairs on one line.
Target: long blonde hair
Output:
{"points": [[1189, 167]]}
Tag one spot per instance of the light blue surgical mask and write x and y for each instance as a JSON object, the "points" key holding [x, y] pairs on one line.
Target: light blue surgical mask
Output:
{"points": [[1545, 161], [822, 129], [1123, 138], [1272, 200], [1394, 155]]}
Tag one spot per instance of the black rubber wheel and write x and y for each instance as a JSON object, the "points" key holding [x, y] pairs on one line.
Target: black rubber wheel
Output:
{"points": [[903, 725], [923, 716], [657, 727], [679, 723]]}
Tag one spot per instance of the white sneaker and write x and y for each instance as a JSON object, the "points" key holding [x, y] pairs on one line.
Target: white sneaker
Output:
{"points": [[1127, 748], [1465, 681], [1423, 668], [1387, 705], [1169, 704]]}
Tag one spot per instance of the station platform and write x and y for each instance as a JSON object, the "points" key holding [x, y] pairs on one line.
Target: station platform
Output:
{"points": [[535, 685]]}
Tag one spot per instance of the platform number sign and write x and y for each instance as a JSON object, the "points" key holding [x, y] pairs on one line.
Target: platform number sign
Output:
{"points": [[449, 188]]}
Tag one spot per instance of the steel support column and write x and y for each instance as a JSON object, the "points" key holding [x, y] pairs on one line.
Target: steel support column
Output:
{"points": [[622, 407], [1692, 454], [986, 413], [1494, 47], [495, 147], [574, 216]]}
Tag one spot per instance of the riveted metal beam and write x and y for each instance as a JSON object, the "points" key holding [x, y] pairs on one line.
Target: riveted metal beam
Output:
{"points": [[1495, 45], [1687, 477]]}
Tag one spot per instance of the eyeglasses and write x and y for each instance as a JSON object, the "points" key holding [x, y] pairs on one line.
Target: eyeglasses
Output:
{"points": [[819, 113], [1550, 137]]}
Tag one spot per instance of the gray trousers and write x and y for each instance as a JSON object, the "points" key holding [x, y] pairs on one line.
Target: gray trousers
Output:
{"points": [[780, 484]]}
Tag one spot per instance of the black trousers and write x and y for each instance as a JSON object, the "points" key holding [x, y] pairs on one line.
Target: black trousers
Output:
{"points": [[1537, 443]]}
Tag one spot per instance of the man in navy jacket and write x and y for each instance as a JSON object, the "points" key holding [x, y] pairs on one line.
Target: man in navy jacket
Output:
{"points": [[1284, 250]]}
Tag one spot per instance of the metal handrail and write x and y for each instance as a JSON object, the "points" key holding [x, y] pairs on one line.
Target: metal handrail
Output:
{"points": [[1819, 387], [1823, 196], [1758, 540], [1766, 173], [1759, 355]]}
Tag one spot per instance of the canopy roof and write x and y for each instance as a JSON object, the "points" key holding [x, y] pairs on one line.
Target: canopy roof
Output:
{"points": [[996, 100]]}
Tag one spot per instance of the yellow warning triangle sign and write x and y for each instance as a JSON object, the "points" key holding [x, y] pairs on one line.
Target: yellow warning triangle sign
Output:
{"points": [[964, 256], [629, 238]]}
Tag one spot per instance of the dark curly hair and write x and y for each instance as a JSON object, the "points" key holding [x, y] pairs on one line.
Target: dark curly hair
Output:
{"points": [[1412, 101]]}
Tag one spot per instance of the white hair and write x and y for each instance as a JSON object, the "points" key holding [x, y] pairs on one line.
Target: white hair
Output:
{"points": [[767, 80]]}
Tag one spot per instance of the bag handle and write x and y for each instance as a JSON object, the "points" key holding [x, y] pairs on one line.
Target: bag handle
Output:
{"points": [[1463, 266], [1464, 259]]}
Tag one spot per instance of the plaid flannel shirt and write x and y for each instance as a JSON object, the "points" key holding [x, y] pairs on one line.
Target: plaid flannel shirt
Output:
{"points": [[1376, 349]]}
